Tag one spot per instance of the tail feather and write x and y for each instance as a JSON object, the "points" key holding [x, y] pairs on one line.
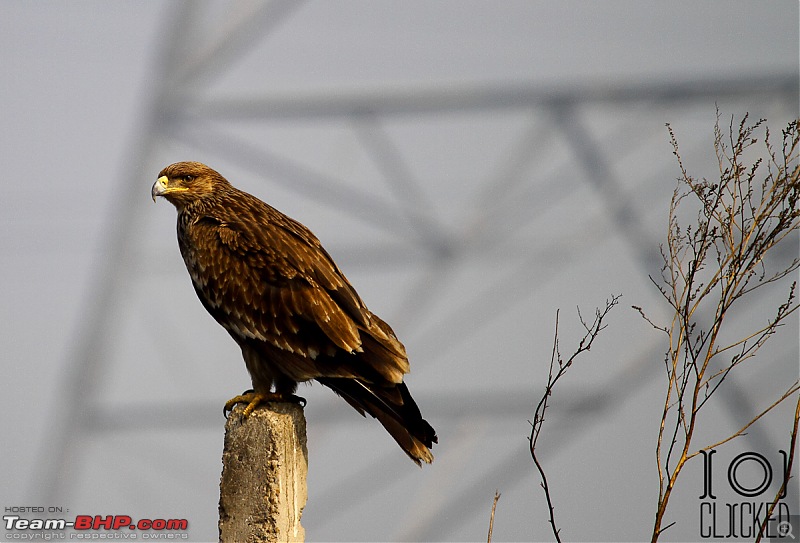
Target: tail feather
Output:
{"points": [[402, 419]]}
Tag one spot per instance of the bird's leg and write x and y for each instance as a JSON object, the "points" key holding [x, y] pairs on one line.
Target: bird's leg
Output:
{"points": [[253, 399]]}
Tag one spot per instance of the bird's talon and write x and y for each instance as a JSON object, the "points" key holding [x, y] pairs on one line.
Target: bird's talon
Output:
{"points": [[249, 397], [254, 399]]}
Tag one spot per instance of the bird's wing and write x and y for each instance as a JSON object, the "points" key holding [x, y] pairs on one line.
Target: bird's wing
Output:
{"points": [[266, 277], [258, 288]]}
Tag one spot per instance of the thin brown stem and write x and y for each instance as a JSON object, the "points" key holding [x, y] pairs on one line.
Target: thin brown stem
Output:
{"points": [[787, 474], [491, 517]]}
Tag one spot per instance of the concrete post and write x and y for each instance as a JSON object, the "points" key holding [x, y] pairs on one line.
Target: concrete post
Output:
{"points": [[264, 467]]}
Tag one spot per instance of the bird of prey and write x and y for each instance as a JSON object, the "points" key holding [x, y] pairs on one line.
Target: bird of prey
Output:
{"points": [[267, 280]]}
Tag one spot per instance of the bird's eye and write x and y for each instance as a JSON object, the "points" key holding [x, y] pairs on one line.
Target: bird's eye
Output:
{"points": [[188, 178]]}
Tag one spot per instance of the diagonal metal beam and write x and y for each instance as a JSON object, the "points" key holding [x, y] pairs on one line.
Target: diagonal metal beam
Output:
{"points": [[407, 190], [250, 27], [597, 168], [82, 369]]}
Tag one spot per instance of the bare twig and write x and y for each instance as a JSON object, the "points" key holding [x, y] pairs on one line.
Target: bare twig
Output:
{"points": [[741, 431], [645, 317], [585, 344], [491, 518]]}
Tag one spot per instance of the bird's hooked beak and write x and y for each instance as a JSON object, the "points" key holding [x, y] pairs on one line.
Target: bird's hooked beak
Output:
{"points": [[162, 187], [159, 187]]}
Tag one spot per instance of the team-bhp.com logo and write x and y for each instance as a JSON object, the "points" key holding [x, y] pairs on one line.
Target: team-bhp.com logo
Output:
{"points": [[94, 527], [738, 505]]}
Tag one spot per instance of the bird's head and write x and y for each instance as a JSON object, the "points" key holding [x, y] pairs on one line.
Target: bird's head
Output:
{"points": [[185, 182]]}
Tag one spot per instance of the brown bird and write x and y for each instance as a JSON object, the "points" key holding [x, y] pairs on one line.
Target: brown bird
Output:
{"points": [[267, 280]]}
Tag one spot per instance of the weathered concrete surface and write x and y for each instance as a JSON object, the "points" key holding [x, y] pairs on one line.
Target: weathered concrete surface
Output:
{"points": [[264, 467]]}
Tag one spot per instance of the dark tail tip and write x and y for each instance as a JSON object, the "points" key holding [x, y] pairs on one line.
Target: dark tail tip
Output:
{"points": [[395, 409]]}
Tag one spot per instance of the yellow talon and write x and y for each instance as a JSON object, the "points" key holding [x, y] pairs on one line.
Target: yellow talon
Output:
{"points": [[254, 399]]}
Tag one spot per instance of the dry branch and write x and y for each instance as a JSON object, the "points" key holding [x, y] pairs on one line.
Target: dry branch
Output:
{"points": [[713, 261], [585, 344]]}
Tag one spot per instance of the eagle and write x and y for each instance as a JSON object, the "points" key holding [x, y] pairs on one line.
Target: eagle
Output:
{"points": [[269, 282]]}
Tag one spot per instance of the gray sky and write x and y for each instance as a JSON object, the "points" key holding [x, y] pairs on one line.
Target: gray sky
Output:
{"points": [[502, 185]]}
